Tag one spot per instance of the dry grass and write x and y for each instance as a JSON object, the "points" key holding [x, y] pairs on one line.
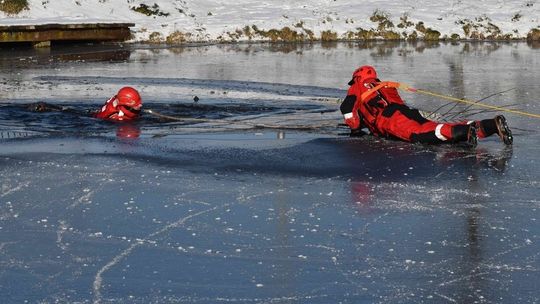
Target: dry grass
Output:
{"points": [[13, 7], [534, 35], [155, 38], [178, 37], [149, 10]]}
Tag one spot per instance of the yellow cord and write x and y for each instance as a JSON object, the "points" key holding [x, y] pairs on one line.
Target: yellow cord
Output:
{"points": [[406, 87]]}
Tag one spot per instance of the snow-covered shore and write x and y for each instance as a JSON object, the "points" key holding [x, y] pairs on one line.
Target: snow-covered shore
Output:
{"points": [[177, 21]]}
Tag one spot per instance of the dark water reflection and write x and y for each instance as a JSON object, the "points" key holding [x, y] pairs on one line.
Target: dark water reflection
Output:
{"points": [[20, 56], [118, 52]]}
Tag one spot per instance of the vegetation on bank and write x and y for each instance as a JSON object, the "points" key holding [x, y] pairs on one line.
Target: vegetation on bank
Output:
{"points": [[148, 10], [383, 28], [481, 28], [533, 35], [13, 7]]}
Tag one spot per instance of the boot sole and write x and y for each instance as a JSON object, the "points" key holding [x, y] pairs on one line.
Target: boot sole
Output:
{"points": [[472, 137], [503, 130]]}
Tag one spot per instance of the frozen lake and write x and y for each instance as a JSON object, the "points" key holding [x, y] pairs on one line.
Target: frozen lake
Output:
{"points": [[223, 211]]}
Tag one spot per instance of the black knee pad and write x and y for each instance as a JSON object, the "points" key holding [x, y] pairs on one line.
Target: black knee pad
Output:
{"points": [[426, 138], [488, 126], [459, 133]]}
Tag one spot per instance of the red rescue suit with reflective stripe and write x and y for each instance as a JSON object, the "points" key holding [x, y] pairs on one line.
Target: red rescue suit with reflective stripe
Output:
{"points": [[379, 107], [111, 110]]}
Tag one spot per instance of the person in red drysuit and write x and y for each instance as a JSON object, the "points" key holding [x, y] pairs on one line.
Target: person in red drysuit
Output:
{"points": [[377, 106], [124, 106]]}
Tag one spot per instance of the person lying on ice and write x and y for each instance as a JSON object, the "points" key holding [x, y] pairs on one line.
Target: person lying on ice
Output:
{"points": [[124, 106], [377, 106]]}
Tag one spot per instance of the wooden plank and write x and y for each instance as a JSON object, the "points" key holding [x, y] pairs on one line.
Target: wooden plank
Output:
{"points": [[59, 26], [66, 32]]}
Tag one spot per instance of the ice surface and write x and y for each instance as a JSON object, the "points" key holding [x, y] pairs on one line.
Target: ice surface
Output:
{"points": [[202, 213]]}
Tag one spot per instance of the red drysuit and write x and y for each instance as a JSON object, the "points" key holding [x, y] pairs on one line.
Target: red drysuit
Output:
{"points": [[377, 106], [124, 106]]}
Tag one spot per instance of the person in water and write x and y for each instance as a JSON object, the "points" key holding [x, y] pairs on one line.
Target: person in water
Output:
{"points": [[123, 106], [377, 106]]}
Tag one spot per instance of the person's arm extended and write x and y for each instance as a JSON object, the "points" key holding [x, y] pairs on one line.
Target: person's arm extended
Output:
{"points": [[351, 117], [41, 106]]}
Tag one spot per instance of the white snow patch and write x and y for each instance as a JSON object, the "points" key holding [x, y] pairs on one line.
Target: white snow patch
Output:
{"points": [[210, 20]]}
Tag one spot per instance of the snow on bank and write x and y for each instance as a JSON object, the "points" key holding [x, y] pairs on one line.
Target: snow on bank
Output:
{"points": [[220, 20]]}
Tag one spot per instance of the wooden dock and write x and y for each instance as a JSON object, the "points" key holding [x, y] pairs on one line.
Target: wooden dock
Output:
{"points": [[44, 34]]}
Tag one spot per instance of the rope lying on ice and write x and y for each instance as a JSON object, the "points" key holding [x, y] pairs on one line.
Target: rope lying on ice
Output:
{"points": [[238, 122], [392, 84], [470, 102]]}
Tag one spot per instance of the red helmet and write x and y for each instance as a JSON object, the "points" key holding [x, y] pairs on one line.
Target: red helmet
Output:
{"points": [[129, 97], [363, 72]]}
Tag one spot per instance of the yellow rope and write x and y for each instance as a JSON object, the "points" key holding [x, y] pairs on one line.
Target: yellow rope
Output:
{"points": [[406, 87]]}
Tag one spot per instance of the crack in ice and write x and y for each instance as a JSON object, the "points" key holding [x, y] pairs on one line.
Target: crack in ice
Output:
{"points": [[15, 189], [98, 279]]}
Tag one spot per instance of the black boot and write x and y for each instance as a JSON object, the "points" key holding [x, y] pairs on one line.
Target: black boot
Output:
{"points": [[502, 129], [472, 137]]}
